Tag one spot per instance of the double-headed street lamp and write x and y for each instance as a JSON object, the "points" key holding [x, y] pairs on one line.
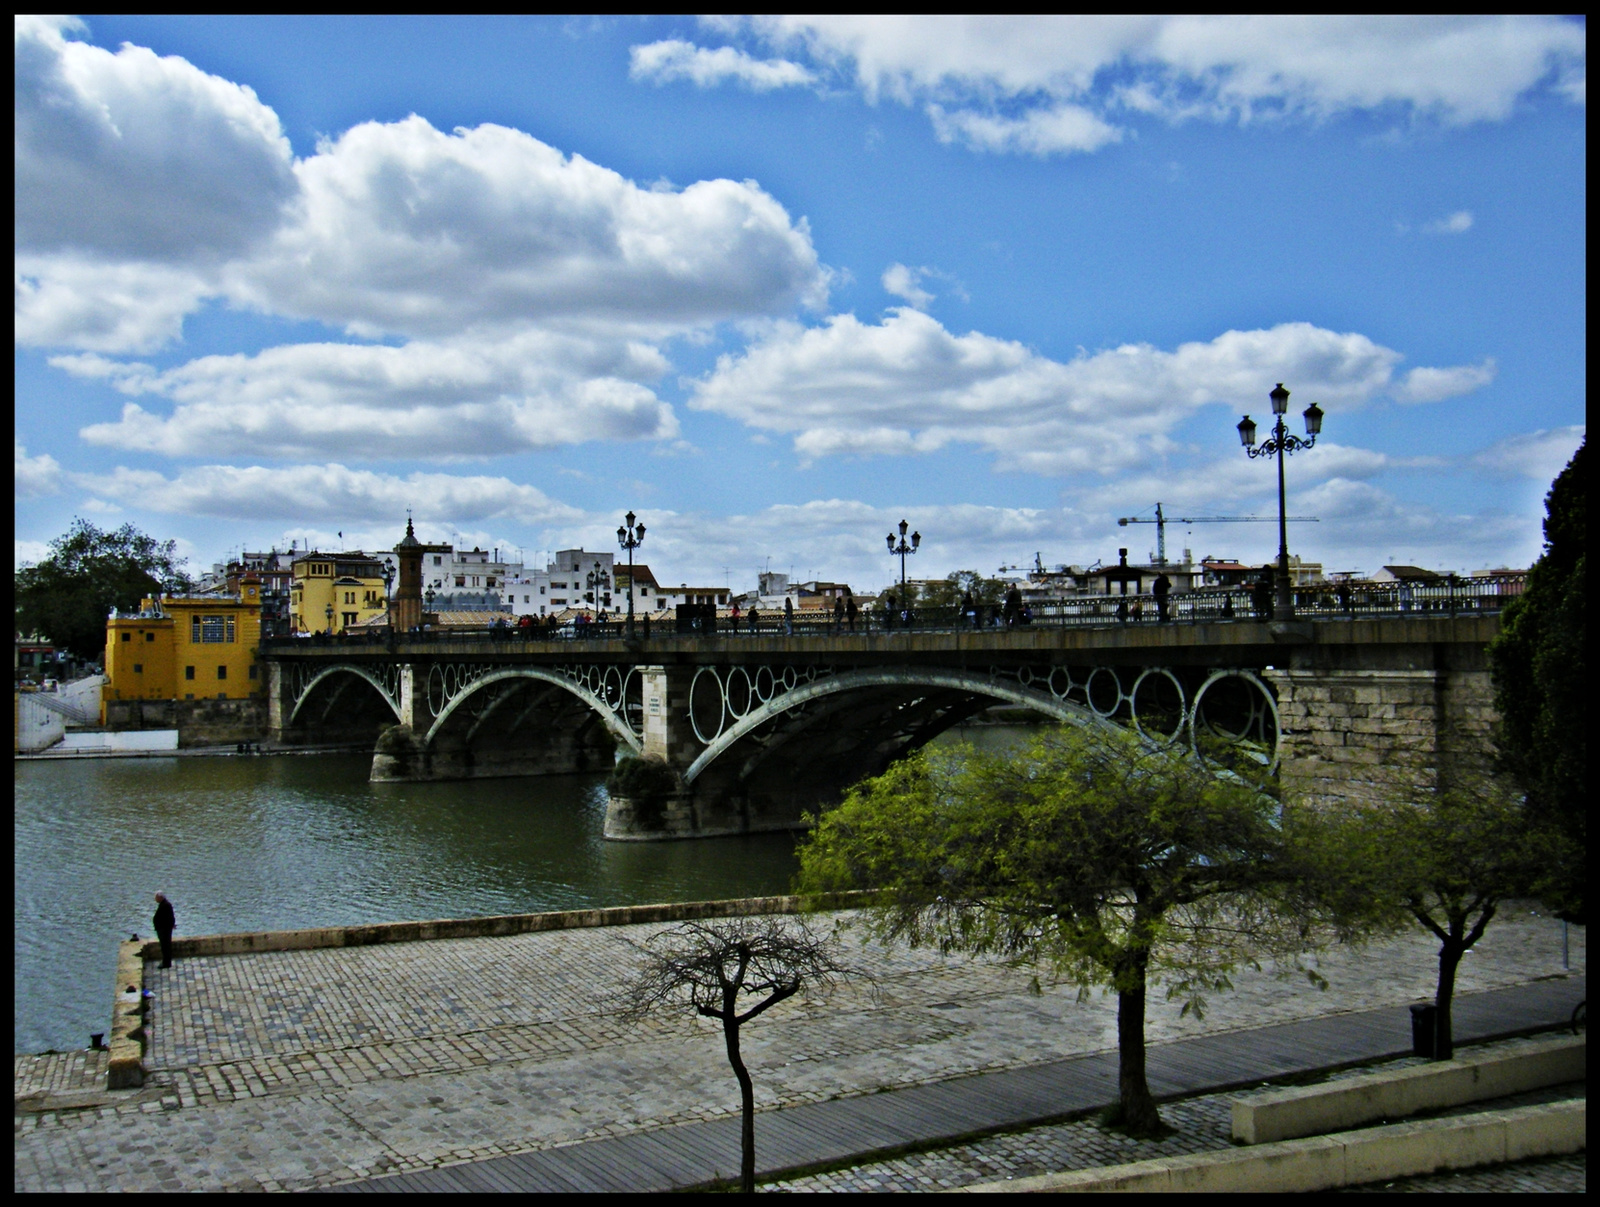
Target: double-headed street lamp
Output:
{"points": [[902, 549], [1281, 445], [630, 536]]}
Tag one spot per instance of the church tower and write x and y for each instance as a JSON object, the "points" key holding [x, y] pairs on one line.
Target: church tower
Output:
{"points": [[405, 611]]}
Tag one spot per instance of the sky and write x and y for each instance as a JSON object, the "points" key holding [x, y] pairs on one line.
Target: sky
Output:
{"points": [[775, 284]]}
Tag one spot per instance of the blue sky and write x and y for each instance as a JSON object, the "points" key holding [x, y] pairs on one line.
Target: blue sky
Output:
{"points": [[775, 284]]}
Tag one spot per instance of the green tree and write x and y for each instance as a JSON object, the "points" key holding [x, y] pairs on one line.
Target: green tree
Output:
{"points": [[947, 591], [1089, 855], [1539, 664], [1447, 863], [67, 596]]}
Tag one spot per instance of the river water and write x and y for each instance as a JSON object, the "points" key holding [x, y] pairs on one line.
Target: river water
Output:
{"points": [[274, 843]]}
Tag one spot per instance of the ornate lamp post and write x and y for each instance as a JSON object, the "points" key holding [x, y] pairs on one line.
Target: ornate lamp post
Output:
{"points": [[329, 611], [630, 536], [388, 594], [1281, 445], [902, 549], [596, 580], [427, 604]]}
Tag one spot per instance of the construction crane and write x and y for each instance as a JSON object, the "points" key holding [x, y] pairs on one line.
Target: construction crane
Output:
{"points": [[1160, 521], [1038, 565]]}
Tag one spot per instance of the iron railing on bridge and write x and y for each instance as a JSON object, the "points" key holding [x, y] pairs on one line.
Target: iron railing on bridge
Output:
{"points": [[1443, 597]]}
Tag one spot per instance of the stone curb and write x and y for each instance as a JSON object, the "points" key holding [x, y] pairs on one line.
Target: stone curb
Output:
{"points": [[1288, 1114], [126, 1068], [492, 926], [1376, 1154]]}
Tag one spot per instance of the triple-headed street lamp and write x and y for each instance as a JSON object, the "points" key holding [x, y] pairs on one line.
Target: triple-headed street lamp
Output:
{"points": [[630, 536], [1281, 445], [596, 580], [902, 549]]}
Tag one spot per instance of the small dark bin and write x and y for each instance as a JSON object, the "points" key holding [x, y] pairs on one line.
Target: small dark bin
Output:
{"points": [[1424, 1027]]}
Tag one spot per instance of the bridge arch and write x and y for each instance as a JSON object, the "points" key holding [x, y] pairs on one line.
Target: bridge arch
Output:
{"points": [[615, 724], [342, 668], [849, 681]]}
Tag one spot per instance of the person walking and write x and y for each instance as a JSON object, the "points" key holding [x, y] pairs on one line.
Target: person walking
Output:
{"points": [[788, 616], [850, 611], [1161, 588], [755, 619], [1261, 594], [838, 615], [165, 923]]}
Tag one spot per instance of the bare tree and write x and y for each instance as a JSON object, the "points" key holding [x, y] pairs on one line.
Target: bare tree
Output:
{"points": [[710, 966]]}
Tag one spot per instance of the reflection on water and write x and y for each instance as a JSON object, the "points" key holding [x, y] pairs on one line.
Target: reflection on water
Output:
{"points": [[278, 843]]}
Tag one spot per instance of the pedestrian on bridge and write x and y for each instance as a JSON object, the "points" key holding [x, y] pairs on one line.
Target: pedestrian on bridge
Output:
{"points": [[788, 616], [850, 611], [1261, 593], [165, 922], [755, 619], [1162, 587], [838, 615]]}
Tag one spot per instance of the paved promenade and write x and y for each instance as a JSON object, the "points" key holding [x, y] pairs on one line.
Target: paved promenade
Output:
{"points": [[307, 1069]]}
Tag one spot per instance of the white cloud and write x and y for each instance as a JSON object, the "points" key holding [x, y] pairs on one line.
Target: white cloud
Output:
{"points": [[68, 300], [1458, 223], [401, 229], [133, 157], [903, 282], [1537, 455], [331, 493], [461, 399], [32, 476], [1068, 74], [1435, 385], [674, 59], [1060, 128], [535, 287], [909, 385]]}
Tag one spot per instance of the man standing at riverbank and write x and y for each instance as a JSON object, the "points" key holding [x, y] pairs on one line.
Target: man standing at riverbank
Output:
{"points": [[165, 923]]}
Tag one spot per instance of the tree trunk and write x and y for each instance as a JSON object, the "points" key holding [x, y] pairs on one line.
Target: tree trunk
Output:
{"points": [[1136, 1106], [747, 1132], [1450, 953]]}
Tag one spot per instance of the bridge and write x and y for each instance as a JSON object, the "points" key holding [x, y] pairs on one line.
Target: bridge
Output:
{"points": [[760, 727]]}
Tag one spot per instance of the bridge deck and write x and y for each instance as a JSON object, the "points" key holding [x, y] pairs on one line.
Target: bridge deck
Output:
{"points": [[1247, 640]]}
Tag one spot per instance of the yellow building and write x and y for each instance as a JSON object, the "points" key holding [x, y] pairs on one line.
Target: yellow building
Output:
{"points": [[331, 592], [186, 648]]}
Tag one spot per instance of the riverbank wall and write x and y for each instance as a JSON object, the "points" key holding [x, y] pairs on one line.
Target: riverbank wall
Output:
{"points": [[198, 722]]}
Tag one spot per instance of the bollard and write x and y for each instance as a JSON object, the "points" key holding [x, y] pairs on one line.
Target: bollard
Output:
{"points": [[1424, 1026]]}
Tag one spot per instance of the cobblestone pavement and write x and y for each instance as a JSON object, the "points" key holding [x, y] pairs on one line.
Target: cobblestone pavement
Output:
{"points": [[302, 1069], [1203, 1124]]}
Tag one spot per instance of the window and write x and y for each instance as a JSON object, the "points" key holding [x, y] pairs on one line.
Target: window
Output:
{"points": [[211, 630], [188, 696], [138, 668], [222, 672], [149, 636], [461, 580], [438, 561], [491, 581], [127, 637], [253, 671], [222, 695], [188, 672], [541, 590], [347, 618]]}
